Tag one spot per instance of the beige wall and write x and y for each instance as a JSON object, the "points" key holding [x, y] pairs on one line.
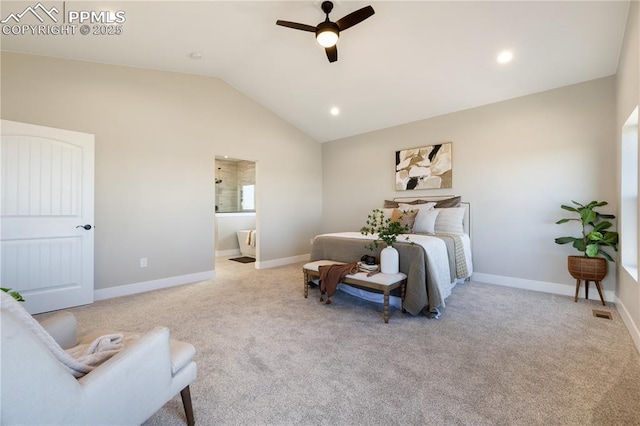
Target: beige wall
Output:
{"points": [[157, 134], [516, 162], [628, 97]]}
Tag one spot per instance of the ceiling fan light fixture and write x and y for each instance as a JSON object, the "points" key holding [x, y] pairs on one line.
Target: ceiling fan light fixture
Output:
{"points": [[328, 32], [327, 35]]}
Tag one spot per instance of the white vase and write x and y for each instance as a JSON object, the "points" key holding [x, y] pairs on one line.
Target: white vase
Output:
{"points": [[389, 261]]}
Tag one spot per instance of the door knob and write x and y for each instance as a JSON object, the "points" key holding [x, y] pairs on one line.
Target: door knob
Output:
{"points": [[87, 227]]}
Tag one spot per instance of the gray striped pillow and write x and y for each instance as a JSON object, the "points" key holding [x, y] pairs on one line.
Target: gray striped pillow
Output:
{"points": [[449, 221]]}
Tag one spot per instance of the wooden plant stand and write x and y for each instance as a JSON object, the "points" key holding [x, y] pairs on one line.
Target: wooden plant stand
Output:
{"points": [[587, 269]]}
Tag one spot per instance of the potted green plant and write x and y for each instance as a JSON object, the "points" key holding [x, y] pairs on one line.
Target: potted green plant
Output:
{"points": [[592, 264], [386, 230]]}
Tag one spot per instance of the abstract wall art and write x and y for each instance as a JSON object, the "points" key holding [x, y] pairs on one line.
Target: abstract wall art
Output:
{"points": [[428, 167]]}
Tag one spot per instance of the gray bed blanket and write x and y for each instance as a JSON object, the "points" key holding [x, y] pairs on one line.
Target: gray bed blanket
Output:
{"points": [[422, 292]]}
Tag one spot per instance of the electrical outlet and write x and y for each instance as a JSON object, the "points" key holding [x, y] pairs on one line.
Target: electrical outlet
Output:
{"points": [[143, 262], [311, 241]]}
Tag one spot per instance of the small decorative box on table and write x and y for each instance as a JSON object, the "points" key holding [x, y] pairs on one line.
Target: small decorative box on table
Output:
{"points": [[381, 282]]}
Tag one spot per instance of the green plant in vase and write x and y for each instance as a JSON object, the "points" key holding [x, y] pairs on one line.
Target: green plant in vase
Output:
{"points": [[387, 230]]}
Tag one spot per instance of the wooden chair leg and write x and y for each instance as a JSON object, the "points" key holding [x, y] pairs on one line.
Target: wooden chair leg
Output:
{"points": [[188, 408], [575, 299], [600, 292]]}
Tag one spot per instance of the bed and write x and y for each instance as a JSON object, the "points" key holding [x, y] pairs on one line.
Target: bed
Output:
{"points": [[438, 259]]}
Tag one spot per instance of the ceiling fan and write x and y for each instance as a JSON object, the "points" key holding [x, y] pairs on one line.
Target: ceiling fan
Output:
{"points": [[327, 32]]}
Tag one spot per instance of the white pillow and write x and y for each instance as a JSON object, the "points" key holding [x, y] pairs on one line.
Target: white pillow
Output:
{"points": [[449, 221], [426, 221], [426, 218]]}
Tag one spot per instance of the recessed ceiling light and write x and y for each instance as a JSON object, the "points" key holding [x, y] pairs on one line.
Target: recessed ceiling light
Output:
{"points": [[505, 57], [335, 111], [195, 55]]}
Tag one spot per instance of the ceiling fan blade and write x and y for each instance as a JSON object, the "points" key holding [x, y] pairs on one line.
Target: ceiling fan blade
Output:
{"points": [[296, 26], [354, 18], [332, 53]]}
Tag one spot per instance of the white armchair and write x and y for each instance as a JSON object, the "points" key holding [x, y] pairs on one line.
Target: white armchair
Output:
{"points": [[127, 389]]}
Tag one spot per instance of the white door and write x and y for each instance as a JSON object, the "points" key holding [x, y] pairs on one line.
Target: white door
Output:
{"points": [[47, 199]]}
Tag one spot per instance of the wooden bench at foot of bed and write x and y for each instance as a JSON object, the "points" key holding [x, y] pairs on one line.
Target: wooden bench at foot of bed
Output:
{"points": [[381, 282]]}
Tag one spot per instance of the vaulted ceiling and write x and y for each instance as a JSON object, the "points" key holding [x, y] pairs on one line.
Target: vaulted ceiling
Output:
{"points": [[409, 61]]}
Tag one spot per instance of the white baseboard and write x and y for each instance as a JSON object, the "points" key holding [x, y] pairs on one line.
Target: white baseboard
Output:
{"points": [[543, 286], [223, 253], [283, 261], [628, 321], [129, 289]]}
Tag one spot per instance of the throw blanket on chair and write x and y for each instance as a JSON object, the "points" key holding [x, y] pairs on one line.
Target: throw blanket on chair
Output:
{"points": [[78, 360], [99, 350], [330, 277]]}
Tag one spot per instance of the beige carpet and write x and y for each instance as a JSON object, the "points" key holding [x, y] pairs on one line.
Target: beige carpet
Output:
{"points": [[498, 356]]}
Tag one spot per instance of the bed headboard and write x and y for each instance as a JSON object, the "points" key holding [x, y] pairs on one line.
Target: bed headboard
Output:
{"points": [[466, 221]]}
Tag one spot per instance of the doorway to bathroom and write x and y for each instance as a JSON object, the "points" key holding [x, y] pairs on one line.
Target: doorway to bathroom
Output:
{"points": [[236, 236]]}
